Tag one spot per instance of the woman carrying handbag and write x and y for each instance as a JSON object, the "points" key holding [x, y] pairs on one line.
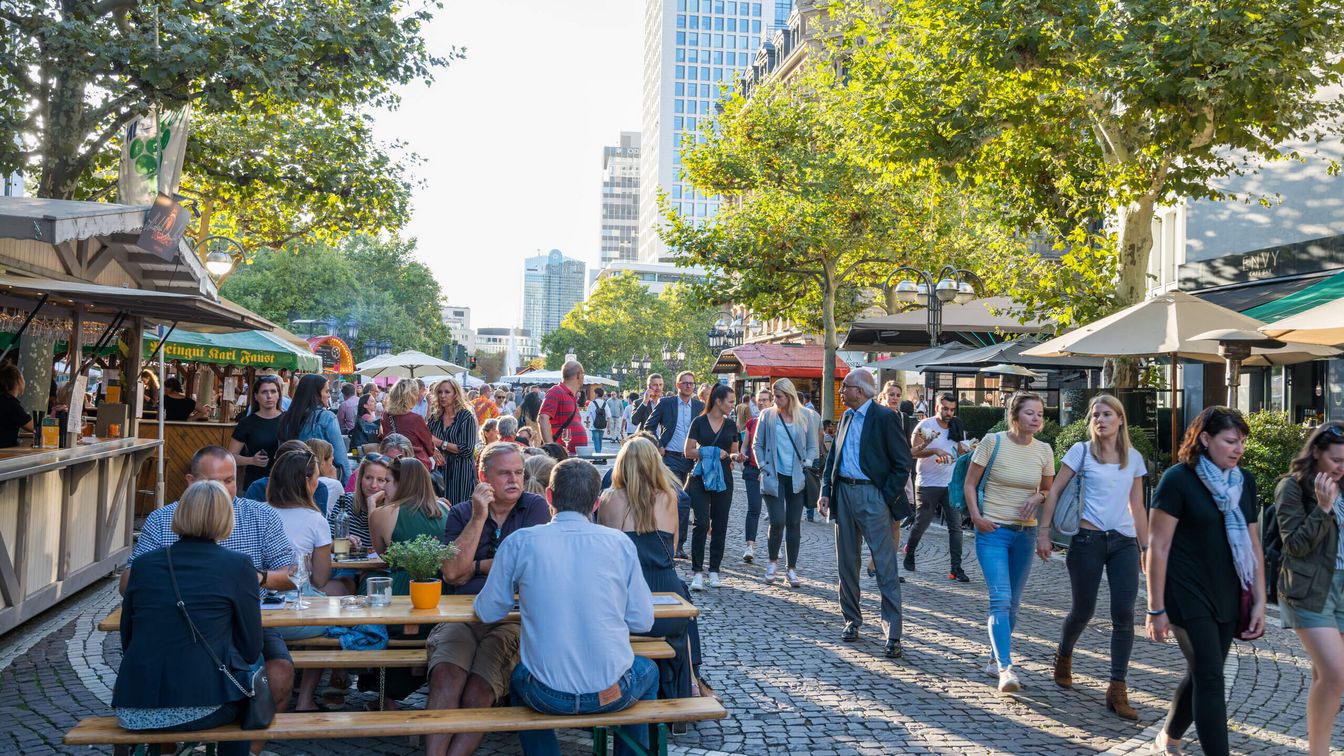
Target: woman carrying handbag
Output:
{"points": [[784, 445]]}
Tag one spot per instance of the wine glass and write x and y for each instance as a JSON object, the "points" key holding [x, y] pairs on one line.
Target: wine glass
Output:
{"points": [[299, 571]]}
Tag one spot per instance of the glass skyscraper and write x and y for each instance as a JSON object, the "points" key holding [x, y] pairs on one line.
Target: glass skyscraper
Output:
{"points": [[690, 48], [620, 200], [552, 285]]}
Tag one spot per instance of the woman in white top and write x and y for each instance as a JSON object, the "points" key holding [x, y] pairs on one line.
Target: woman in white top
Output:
{"points": [[1112, 535], [784, 445]]}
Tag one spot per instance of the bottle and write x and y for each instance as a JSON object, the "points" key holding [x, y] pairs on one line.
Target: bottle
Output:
{"points": [[340, 535]]}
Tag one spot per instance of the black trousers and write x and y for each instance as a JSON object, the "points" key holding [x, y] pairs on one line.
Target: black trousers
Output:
{"points": [[1091, 551], [711, 520], [932, 502], [1199, 696], [786, 521], [680, 467]]}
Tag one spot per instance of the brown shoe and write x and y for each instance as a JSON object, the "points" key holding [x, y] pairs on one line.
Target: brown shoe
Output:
{"points": [[1063, 670], [1117, 700]]}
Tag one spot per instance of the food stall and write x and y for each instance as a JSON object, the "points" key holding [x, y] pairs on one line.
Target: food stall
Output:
{"points": [[66, 513], [754, 366]]}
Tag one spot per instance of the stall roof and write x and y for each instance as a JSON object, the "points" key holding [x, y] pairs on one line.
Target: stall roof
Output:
{"points": [[971, 323], [913, 360], [1318, 293], [778, 361], [245, 348], [155, 306], [552, 377], [1007, 353]]}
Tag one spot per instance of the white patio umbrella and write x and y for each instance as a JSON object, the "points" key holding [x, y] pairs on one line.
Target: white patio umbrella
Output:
{"points": [[405, 365], [552, 377], [1323, 324]]}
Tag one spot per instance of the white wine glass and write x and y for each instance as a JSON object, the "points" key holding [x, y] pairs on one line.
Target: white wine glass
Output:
{"points": [[299, 571]]}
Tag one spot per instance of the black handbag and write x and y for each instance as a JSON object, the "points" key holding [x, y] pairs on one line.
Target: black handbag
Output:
{"points": [[260, 709]]}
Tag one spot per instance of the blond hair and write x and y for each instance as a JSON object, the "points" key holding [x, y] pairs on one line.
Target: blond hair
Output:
{"points": [[459, 400], [537, 473], [640, 473], [403, 397], [321, 449], [204, 511], [1121, 436], [785, 386]]}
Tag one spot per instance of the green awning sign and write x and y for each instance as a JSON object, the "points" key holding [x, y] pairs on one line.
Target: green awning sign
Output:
{"points": [[244, 348]]}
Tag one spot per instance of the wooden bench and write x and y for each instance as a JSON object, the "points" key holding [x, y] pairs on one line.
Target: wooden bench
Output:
{"points": [[408, 658], [386, 724]]}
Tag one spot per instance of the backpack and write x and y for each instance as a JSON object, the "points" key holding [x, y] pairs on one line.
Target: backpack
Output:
{"points": [[956, 490], [600, 415]]}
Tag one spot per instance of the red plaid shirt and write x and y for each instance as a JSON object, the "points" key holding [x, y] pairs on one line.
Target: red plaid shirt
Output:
{"points": [[559, 404]]}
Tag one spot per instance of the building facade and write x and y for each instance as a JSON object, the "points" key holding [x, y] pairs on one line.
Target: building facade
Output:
{"points": [[655, 277], [552, 285], [458, 321], [620, 200], [498, 341], [691, 48]]}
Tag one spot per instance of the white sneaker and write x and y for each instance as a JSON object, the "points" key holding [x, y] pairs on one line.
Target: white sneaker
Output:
{"points": [[698, 582], [793, 579], [770, 570], [992, 667], [714, 580], [1008, 682], [749, 555]]}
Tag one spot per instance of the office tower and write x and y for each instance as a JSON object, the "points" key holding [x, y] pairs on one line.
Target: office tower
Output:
{"points": [[691, 47], [620, 200], [552, 285], [458, 320]]}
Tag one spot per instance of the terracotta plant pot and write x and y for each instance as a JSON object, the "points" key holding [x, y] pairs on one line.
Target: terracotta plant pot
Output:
{"points": [[425, 593]]}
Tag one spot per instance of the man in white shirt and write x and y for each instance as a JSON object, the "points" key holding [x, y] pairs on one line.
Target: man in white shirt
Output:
{"points": [[581, 593], [935, 444]]}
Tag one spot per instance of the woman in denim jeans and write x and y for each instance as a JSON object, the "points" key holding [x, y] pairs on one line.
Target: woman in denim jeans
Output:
{"points": [[1112, 535], [1020, 471]]}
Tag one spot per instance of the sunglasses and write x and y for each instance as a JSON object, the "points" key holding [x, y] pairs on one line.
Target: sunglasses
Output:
{"points": [[380, 459]]}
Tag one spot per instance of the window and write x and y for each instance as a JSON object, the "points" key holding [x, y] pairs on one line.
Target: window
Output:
{"points": [[676, 123], [690, 123], [679, 89], [681, 22], [704, 90], [695, 22], [681, 38], [718, 6], [732, 41], [718, 23], [756, 9], [681, 55], [755, 27], [732, 24], [732, 8], [718, 56], [681, 5], [681, 72], [676, 192], [718, 75], [691, 38], [704, 56], [678, 107]]}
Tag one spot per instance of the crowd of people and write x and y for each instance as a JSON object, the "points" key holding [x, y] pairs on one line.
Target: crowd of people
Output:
{"points": [[496, 474]]}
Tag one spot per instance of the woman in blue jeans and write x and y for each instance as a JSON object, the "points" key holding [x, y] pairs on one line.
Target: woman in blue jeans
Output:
{"points": [[1112, 536], [1017, 470]]}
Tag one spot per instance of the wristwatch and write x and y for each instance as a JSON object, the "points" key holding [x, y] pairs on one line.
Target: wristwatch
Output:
{"points": [[261, 574]]}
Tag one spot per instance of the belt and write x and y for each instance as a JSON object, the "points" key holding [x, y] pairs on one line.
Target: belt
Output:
{"points": [[670, 453], [853, 481]]}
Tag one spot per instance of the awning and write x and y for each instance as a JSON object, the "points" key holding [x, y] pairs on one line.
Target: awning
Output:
{"points": [[242, 348], [1007, 353], [971, 323], [155, 306], [778, 361], [1315, 295], [913, 360]]}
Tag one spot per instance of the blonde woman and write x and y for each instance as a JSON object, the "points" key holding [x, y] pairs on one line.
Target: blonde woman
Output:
{"points": [[642, 502], [537, 473], [784, 445], [1019, 470], [401, 418], [453, 426], [1112, 536]]}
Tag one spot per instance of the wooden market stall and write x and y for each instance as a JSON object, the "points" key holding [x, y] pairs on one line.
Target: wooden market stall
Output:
{"points": [[66, 514], [757, 365]]}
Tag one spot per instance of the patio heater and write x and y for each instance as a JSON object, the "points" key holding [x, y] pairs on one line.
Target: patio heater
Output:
{"points": [[1234, 346]]}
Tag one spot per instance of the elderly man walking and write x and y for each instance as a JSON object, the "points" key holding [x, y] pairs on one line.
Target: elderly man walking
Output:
{"points": [[865, 476]]}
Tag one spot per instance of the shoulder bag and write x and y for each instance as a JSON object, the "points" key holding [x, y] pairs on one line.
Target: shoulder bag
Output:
{"points": [[260, 708], [809, 473], [1069, 507], [956, 490]]}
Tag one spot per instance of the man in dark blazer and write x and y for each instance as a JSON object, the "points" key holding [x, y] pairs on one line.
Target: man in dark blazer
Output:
{"points": [[865, 475], [670, 421], [653, 393]]}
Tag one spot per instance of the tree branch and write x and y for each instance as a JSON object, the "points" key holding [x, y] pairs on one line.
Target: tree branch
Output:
{"points": [[102, 139], [108, 6]]}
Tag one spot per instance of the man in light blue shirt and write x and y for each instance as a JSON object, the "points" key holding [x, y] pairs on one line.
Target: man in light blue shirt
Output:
{"points": [[580, 593], [849, 455]]}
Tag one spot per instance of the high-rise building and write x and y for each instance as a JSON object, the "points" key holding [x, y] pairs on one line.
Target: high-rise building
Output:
{"points": [[552, 285], [458, 321], [691, 47], [620, 199]]}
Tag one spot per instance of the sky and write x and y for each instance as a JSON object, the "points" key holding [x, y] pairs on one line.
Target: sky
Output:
{"points": [[512, 137]]}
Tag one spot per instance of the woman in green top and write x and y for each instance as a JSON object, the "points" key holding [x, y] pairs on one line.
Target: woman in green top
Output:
{"points": [[412, 510]]}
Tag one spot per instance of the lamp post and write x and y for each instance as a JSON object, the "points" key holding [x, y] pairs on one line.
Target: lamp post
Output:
{"points": [[674, 358], [640, 366], [952, 284], [221, 254], [726, 334], [350, 329]]}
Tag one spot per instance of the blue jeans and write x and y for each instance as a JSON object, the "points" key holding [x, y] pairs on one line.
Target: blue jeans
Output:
{"points": [[1005, 559], [596, 435], [639, 683]]}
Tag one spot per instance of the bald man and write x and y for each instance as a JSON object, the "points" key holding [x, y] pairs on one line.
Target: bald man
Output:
{"points": [[560, 410]]}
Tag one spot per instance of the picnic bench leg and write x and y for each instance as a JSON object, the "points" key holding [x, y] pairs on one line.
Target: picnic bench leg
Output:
{"points": [[600, 741], [382, 688], [658, 747]]}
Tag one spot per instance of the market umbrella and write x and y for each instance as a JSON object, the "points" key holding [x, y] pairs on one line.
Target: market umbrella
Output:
{"points": [[552, 377], [405, 364], [1013, 352], [1323, 324]]}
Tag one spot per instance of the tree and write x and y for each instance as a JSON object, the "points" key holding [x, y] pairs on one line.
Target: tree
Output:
{"points": [[1075, 111], [77, 71]]}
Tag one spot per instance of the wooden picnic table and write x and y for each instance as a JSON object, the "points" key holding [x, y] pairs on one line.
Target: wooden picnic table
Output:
{"points": [[376, 563], [327, 611]]}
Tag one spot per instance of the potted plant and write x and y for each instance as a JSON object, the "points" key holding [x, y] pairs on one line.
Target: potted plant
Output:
{"points": [[422, 559]]}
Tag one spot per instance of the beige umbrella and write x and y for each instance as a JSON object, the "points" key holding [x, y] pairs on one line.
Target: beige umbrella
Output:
{"points": [[1323, 324]]}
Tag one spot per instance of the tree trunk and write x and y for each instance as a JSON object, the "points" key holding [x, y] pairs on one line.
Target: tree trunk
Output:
{"points": [[828, 292], [1135, 245]]}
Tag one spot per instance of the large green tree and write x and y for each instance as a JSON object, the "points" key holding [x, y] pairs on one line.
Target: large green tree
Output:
{"points": [[1075, 111], [378, 283], [76, 72]]}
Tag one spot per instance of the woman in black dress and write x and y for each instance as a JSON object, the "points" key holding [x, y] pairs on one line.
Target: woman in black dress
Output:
{"points": [[642, 502], [1204, 554], [453, 426], [712, 435], [256, 435], [367, 429]]}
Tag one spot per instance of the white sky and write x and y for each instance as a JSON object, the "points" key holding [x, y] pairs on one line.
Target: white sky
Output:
{"points": [[512, 139]]}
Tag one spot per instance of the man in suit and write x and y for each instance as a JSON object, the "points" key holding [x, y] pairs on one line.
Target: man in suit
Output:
{"points": [[670, 421], [865, 475], [653, 393]]}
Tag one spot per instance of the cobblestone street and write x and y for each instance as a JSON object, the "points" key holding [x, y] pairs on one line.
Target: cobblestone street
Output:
{"points": [[789, 683]]}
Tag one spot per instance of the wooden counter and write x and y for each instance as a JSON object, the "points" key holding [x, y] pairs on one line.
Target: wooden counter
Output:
{"points": [[181, 440], [65, 520]]}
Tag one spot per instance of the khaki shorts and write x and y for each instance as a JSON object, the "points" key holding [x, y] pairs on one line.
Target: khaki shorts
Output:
{"points": [[487, 650]]}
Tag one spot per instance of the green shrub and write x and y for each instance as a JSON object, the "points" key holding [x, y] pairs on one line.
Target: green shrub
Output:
{"points": [[977, 420], [422, 557], [1049, 432], [1076, 432], [1274, 441]]}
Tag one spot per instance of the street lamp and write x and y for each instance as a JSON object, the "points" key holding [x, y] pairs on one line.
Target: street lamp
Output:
{"points": [[952, 284], [350, 329], [221, 254], [726, 334]]}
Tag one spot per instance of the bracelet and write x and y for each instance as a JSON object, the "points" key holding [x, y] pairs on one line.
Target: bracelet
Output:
{"points": [[478, 566], [1157, 612]]}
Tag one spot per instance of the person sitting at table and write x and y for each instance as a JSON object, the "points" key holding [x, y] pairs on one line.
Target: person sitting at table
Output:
{"points": [[537, 472], [489, 434], [13, 417], [257, 491], [331, 488], [642, 502], [178, 407], [168, 680], [469, 663], [411, 510], [581, 593], [374, 474], [394, 446], [257, 533], [508, 429]]}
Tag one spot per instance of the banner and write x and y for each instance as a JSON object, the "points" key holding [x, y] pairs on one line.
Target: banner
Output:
{"points": [[165, 225], [152, 152]]}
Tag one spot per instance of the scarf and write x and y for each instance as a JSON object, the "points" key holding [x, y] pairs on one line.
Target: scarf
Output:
{"points": [[1226, 490]]}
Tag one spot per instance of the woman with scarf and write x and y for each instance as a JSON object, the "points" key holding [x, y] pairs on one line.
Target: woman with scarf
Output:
{"points": [[1205, 573], [1310, 514]]}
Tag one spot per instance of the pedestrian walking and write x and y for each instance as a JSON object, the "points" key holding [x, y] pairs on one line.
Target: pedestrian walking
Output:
{"points": [[453, 426], [1310, 513], [560, 415], [712, 442], [785, 444], [865, 474], [599, 416], [935, 444], [653, 393], [670, 421], [1018, 469], [1112, 536], [308, 417], [751, 478], [1205, 573]]}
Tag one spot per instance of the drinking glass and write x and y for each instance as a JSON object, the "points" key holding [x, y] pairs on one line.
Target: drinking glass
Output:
{"points": [[380, 591], [299, 571]]}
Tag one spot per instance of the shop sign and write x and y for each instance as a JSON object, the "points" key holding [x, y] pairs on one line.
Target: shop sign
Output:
{"points": [[1301, 258], [218, 355]]}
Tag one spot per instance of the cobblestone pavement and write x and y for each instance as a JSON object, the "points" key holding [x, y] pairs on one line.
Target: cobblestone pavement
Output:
{"points": [[789, 684]]}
